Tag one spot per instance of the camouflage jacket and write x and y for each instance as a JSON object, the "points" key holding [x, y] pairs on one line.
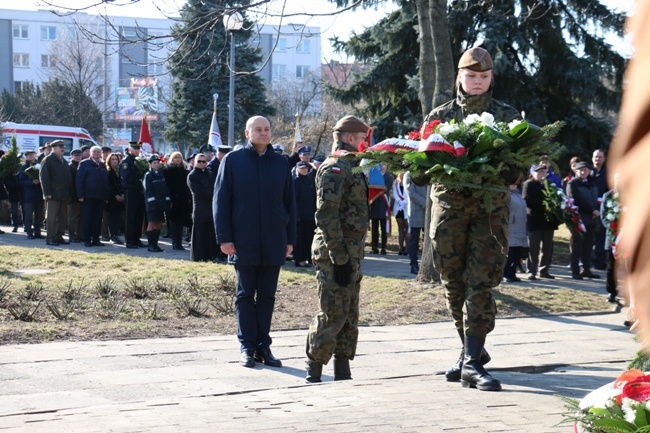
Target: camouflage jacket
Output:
{"points": [[341, 210], [465, 104]]}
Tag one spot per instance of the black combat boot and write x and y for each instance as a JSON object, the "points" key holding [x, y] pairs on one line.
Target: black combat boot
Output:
{"points": [[453, 374], [473, 375], [342, 369], [152, 238], [314, 371]]}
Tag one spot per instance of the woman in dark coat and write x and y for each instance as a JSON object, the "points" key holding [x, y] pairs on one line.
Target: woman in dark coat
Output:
{"points": [[157, 202], [179, 215], [115, 204], [204, 241]]}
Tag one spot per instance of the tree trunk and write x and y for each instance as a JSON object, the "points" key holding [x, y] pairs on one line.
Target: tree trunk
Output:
{"points": [[427, 57], [444, 62]]}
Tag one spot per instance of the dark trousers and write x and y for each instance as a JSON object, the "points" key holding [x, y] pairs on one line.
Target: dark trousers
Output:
{"points": [[377, 224], [414, 244], [57, 219], [582, 246], [537, 239], [92, 219], [33, 217], [600, 256], [114, 222], [134, 215], [75, 220], [256, 286], [304, 238], [612, 281], [515, 254], [14, 214]]}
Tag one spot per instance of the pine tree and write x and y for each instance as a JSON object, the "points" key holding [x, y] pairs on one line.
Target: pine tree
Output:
{"points": [[551, 61], [10, 162], [200, 68]]}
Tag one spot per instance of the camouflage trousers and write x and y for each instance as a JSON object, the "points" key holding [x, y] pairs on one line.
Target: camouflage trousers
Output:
{"points": [[335, 330], [470, 248]]}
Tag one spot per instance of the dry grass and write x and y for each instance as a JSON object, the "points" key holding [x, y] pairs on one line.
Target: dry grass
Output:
{"points": [[100, 296]]}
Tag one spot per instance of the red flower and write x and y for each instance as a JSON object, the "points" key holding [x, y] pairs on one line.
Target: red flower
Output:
{"points": [[637, 389], [429, 129], [414, 135]]}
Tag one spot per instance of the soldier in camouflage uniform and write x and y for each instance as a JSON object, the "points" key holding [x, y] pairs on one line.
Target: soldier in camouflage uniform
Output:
{"points": [[470, 244], [341, 226]]}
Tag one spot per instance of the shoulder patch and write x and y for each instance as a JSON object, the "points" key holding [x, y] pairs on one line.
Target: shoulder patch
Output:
{"points": [[335, 169], [125, 165]]}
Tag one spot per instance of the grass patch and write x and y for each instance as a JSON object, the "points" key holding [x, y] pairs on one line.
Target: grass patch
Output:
{"points": [[100, 296]]}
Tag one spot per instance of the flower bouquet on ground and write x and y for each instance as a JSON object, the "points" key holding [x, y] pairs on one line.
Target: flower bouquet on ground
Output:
{"points": [[618, 407], [557, 205], [475, 153], [33, 171]]}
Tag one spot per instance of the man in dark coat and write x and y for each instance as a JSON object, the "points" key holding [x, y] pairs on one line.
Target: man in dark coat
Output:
{"points": [[32, 197], [599, 174], [75, 221], [92, 190], [585, 195], [134, 196], [255, 222], [56, 183], [304, 185]]}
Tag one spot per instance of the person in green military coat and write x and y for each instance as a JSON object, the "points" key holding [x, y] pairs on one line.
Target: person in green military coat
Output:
{"points": [[470, 244], [337, 250]]}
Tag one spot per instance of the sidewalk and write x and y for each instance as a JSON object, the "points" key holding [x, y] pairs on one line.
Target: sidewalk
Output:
{"points": [[196, 384]]}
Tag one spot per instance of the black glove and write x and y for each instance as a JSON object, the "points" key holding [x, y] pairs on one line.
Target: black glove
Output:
{"points": [[343, 274]]}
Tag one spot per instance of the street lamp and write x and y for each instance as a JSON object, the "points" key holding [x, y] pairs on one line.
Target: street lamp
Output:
{"points": [[232, 23]]}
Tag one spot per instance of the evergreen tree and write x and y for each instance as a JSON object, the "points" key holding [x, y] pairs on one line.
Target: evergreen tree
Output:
{"points": [[200, 68], [551, 61]]}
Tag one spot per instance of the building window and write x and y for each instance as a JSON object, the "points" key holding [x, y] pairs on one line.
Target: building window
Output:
{"points": [[279, 71], [21, 31], [48, 33], [18, 85], [303, 46], [302, 71], [21, 60], [128, 33], [282, 45], [47, 61]]}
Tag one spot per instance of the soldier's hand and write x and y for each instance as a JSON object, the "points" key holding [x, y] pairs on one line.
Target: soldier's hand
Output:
{"points": [[343, 274]]}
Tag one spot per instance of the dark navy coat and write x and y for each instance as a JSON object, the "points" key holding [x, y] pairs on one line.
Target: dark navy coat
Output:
{"points": [[92, 180], [31, 192], [254, 206]]}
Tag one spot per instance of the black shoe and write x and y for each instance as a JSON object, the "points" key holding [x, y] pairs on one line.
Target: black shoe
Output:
{"points": [[314, 371], [511, 280], [63, 241], [532, 277], [178, 247], [576, 277], [589, 274], [612, 298], [383, 252], [140, 244], [14, 230], [75, 240], [116, 240], [98, 244], [247, 359], [88, 244], [546, 275], [132, 246], [155, 249], [39, 236], [415, 269], [374, 252], [267, 358], [30, 237], [52, 243]]}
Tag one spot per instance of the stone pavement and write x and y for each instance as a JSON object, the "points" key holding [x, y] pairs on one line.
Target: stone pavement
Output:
{"points": [[196, 384]]}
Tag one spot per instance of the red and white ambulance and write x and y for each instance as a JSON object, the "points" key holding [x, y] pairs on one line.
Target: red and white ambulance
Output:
{"points": [[31, 137]]}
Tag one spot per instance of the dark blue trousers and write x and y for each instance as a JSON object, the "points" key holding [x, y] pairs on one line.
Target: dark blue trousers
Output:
{"points": [[256, 286], [92, 219]]}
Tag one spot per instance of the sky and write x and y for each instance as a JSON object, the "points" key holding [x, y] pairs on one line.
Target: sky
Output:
{"points": [[342, 25]]}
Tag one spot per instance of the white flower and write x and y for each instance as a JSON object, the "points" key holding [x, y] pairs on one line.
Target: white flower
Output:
{"points": [[610, 217], [37, 166], [629, 408], [563, 206], [472, 118], [487, 119], [514, 123], [600, 397], [615, 209], [447, 128]]}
